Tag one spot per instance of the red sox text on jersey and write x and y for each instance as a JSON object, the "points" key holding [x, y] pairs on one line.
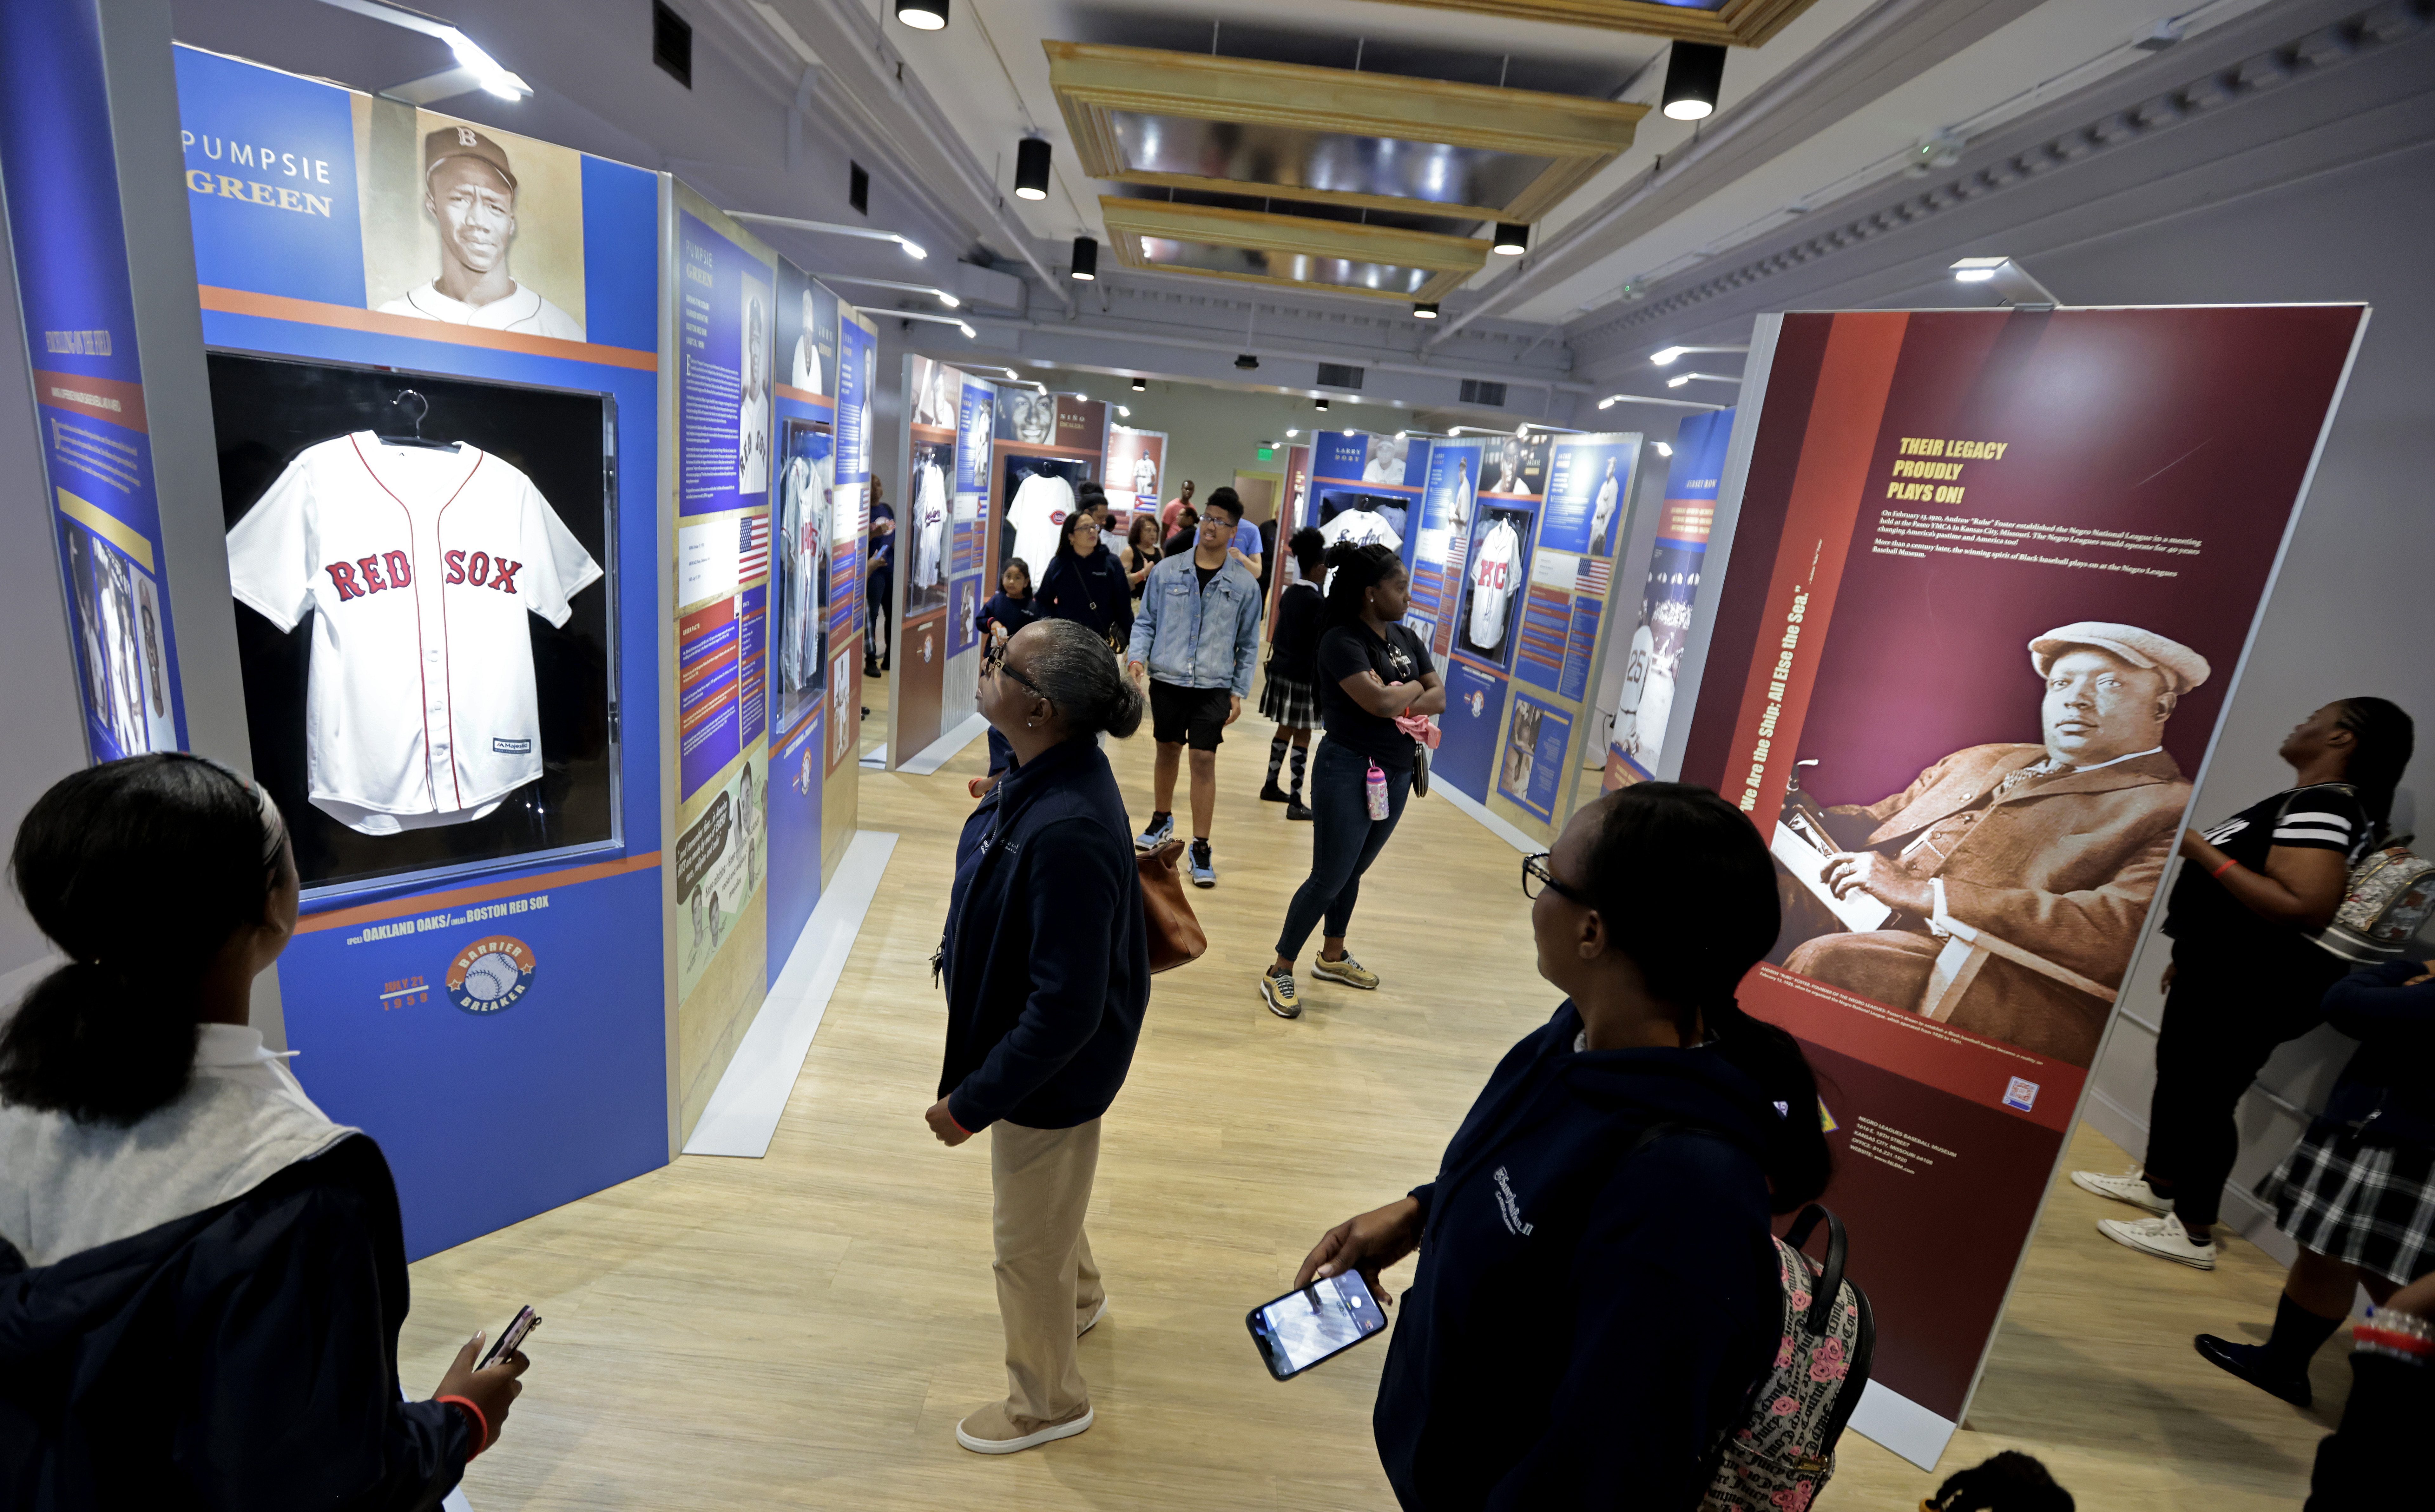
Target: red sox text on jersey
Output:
{"points": [[417, 567]]}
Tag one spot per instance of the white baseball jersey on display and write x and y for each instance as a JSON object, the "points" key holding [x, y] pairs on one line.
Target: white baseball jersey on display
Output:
{"points": [[929, 524], [1360, 528], [1492, 582], [800, 556], [1040, 506], [418, 567], [523, 312]]}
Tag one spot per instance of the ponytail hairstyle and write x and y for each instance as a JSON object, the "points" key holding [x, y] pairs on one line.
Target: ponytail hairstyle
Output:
{"points": [[1686, 890], [2385, 738], [140, 872], [1357, 570], [1309, 549], [1077, 671]]}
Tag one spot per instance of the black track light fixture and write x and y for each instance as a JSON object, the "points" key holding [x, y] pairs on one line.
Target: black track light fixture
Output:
{"points": [[1320, 404], [922, 15], [1425, 312], [1247, 362], [1086, 259], [1694, 74], [1512, 240], [1031, 168], [1141, 386]]}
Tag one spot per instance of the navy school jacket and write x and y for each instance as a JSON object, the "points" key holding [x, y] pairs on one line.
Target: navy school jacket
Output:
{"points": [[1582, 1326], [1045, 955], [244, 1358]]}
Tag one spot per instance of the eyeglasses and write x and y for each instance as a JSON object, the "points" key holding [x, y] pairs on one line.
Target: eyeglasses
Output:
{"points": [[1538, 878], [993, 659]]}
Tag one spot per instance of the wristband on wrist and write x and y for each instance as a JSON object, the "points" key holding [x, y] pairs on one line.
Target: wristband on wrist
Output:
{"points": [[481, 1423], [2218, 872], [2401, 1335]]}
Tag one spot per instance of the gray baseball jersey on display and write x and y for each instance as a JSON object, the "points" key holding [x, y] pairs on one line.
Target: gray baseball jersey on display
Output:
{"points": [[418, 567]]}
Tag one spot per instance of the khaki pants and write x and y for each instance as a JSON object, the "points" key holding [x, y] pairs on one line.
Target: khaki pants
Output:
{"points": [[1047, 1285]]}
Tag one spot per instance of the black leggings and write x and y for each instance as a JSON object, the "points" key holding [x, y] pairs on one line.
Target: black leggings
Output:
{"points": [[2223, 1016], [1344, 840]]}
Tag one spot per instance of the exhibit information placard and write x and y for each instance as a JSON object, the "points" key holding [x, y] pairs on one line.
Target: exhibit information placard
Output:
{"points": [[1992, 579], [1670, 578]]}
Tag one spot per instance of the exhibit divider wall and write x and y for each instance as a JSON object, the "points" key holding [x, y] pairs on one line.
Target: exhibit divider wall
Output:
{"points": [[1294, 513], [1513, 562], [945, 466], [1047, 446], [1993, 578], [1667, 553], [433, 373]]}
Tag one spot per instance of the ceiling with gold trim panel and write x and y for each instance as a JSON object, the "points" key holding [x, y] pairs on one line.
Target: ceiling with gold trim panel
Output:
{"points": [[1730, 22]]}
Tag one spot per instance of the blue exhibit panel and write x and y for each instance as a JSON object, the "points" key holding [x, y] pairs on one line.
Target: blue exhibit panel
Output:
{"points": [[796, 773], [1466, 753], [491, 1112]]}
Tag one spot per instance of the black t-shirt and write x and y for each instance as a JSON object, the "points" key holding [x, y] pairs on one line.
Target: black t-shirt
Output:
{"points": [[2204, 912], [1293, 645], [1207, 575], [1349, 650]]}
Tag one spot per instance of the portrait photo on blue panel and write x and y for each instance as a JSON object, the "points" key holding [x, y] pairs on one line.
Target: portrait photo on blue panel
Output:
{"points": [[470, 225], [806, 500], [1586, 485], [807, 330], [1515, 466]]}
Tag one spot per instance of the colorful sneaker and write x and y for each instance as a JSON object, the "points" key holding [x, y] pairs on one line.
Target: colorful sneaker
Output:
{"points": [[1204, 871], [1271, 793], [2163, 1238], [1297, 809], [995, 1431], [1277, 990], [1346, 970], [2131, 1187], [1160, 832]]}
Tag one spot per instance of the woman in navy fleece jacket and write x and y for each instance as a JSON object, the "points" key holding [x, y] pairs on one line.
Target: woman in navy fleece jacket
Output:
{"points": [[1582, 1326], [1046, 964]]}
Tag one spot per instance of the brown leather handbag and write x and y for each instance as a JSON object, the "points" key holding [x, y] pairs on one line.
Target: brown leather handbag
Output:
{"points": [[1175, 934]]}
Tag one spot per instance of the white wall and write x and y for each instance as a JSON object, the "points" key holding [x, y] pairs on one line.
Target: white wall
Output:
{"points": [[2344, 619]]}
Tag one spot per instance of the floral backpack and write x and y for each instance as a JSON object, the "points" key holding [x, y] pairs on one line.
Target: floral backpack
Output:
{"points": [[1781, 1452]]}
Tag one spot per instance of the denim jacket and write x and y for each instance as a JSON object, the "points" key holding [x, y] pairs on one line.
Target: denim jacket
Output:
{"points": [[1192, 638]]}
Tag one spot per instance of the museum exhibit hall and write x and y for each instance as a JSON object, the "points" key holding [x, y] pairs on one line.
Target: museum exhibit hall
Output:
{"points": [[1284, 757]]}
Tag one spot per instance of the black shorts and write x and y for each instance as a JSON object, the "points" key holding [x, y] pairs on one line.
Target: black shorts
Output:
{"points": [[1188, 717]]}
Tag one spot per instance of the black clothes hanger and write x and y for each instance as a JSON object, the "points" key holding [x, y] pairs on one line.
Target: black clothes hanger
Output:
{"points": [[413, 435]]}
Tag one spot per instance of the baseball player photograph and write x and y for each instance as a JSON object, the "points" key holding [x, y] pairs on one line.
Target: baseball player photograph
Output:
{"points": [[805, 493], [752, 409], [423, 630], [1609, 493], [470, 199], [1385, 462], [2053, 849], [1029, 416], [808, 362]]}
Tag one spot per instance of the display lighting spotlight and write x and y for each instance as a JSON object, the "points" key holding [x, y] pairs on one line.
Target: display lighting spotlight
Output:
{"points": [[1678, 380], [1141, 386], [1425, 312], [1512, 240], [1666, 354], [1320, 404], [1086, 259], [1694, 74], [1403, 436], [1290, 433], [1247, 362], [1608, 403], [1664, 449], [922, 15], [1978, 269], [1124, 412], [1031, 168]]}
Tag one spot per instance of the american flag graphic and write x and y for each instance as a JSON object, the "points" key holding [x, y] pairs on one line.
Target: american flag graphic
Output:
{"points": [[1596, 575], [752, 548]]}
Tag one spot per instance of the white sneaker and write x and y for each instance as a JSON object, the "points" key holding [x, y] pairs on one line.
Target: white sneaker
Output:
{"points": [[2131, 1187], [1094, 1320], [2162, 1237]]}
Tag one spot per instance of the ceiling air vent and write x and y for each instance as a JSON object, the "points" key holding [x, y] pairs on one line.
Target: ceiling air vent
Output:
{"points": [[1331, 375], [1476, 391]]}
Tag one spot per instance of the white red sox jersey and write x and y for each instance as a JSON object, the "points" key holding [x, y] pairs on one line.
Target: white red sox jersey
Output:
{"points": [[1494, 578], [418, 567]]}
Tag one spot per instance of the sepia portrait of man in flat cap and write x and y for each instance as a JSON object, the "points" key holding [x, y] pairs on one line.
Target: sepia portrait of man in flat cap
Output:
{"points": [[2052, 852], [469, 193]]}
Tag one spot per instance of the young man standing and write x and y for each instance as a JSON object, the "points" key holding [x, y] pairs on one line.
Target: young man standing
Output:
{"points": [[1198, 636], [1173, 507]]}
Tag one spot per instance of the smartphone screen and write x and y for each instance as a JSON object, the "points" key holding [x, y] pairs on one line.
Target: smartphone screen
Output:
{"points": [[1300, 1329]]}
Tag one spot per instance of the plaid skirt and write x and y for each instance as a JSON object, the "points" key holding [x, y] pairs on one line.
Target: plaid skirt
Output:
{"points": [[1289, 702], [2372, 1205]]}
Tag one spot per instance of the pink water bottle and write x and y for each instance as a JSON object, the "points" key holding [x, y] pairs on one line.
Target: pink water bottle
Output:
{"points": [[1377, 792]]}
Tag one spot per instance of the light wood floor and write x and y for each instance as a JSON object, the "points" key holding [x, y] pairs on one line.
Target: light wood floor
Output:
{"points": [[805, 1330]]}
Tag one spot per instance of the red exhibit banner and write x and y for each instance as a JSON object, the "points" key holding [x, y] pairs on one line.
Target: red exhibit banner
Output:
{"points": [[1990, 579]]}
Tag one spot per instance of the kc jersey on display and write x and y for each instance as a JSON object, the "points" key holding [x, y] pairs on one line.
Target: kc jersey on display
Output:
{"points": [[418, 567], [1492, 584]]}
